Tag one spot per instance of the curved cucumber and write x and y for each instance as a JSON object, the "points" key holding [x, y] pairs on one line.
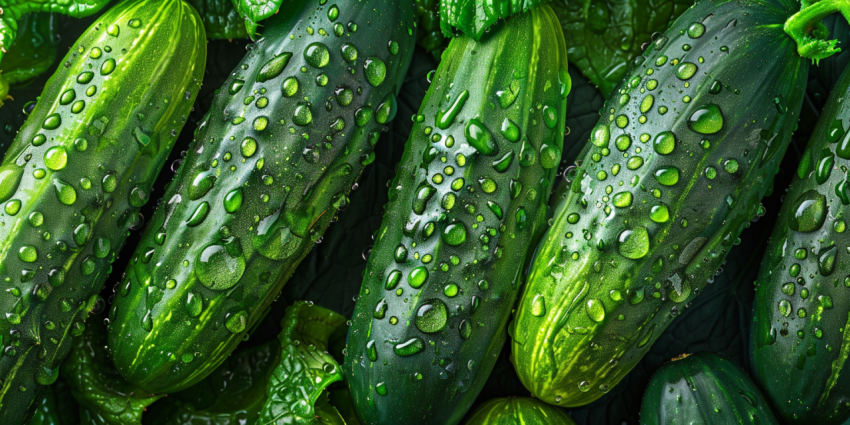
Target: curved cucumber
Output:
{"points": [[703, 389], [678, 163], [799, 341], [73, 181], [518, 410], [467, 203], [270, 167]]}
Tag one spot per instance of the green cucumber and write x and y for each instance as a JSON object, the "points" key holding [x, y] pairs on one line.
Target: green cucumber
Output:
{"points": [[221, 20], [703, 389], [676, 169], [799, 340], [73, 180], [271, 166], [467, 204], [518, 410]]}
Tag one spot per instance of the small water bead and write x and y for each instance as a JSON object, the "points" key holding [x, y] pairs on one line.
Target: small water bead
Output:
{"points": [[290, 87], [710, 173], [623, 142], [622, 200], [634, 163], [451, 290], [810, 212], [302, 115], [107, 67], [600, 135], [56, 158], [622, 121], [28, 254], [634, 243], [12, 207], [731, 166], [65, 193]]}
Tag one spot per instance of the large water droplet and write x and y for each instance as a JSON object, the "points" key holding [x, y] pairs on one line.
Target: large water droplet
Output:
{"points": [[809, 213], [409, 347], [65, 193], [667, 176], [446, 118], [201, 184], [274, 67], [538, 305], [375, 70], [317, 54], [10, 178], [455, 234], [686, 70], [217, 269], [431, 316], [480, 138], [634, 243], [664, 142], [236, 322], [595, 310], [706, 119]]}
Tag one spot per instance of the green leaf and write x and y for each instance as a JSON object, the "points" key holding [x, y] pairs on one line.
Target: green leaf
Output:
{"points": [[56, 406], [429, 36], [475, 17], [13, 10], [297, 386], [235, 392], [221, 21], [603, 37], [104, 396], [254, 11], [35, 49]]}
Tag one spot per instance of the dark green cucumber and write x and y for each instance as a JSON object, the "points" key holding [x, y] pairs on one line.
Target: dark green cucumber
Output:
{"points": [[270, 167], [73, 181], [677, 167], [518, 410], [221, 20], [105, 398], [801, 329], [467, 203], [703, 389]]}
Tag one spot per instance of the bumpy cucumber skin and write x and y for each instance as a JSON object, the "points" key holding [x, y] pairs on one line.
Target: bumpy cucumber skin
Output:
{"points": [[800, 336], [518, 410], [593, 305], [292, 180], [438, 384], [703, 389], [56, 253]]}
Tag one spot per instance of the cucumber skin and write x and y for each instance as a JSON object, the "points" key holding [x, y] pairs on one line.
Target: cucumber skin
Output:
{"points": [[530, 44], [704, 388], [803, 377], [518, 410], [172, 60], [564, 351], [142, 356]]}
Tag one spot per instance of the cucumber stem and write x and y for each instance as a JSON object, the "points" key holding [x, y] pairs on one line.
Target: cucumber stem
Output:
{"points": [[806, 29]]}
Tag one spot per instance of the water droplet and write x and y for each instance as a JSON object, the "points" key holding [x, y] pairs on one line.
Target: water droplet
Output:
{"points": [[274, 67], [446, 118], [538, 305], [696, 30], [431, 316], [595, 310], [455, 234], [622, 199], [236, 322], [784, 308], [417, 277], [706, 119], [290, 87], [28, 254], [65, 193], [659, 213], [600, 136], [409, 347], [375, 70], [52, 122], [510, 130], [634, 243], [465, 329], [480, 138], [810, 212], [201, 184], [667, 176], [303, 115], [233, 200], [686, 70], [664, 142], [217, 269], [317, 55]]}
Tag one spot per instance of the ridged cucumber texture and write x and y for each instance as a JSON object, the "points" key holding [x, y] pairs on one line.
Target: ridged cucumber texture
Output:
{"points": [[676, 169], [704, 389], [467, 204], [73, 181], [269, 169], [518, 410], [801, 327]]}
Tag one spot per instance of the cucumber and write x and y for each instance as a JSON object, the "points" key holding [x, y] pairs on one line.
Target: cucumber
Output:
{"points": [[467, 204], [703, 389], [271, 166], [73, 180], [518, 410], [676, 168], [799, 336], [221, 20]]}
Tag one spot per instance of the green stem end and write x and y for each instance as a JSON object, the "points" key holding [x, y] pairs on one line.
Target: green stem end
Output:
{"points": [[806, 29]]}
